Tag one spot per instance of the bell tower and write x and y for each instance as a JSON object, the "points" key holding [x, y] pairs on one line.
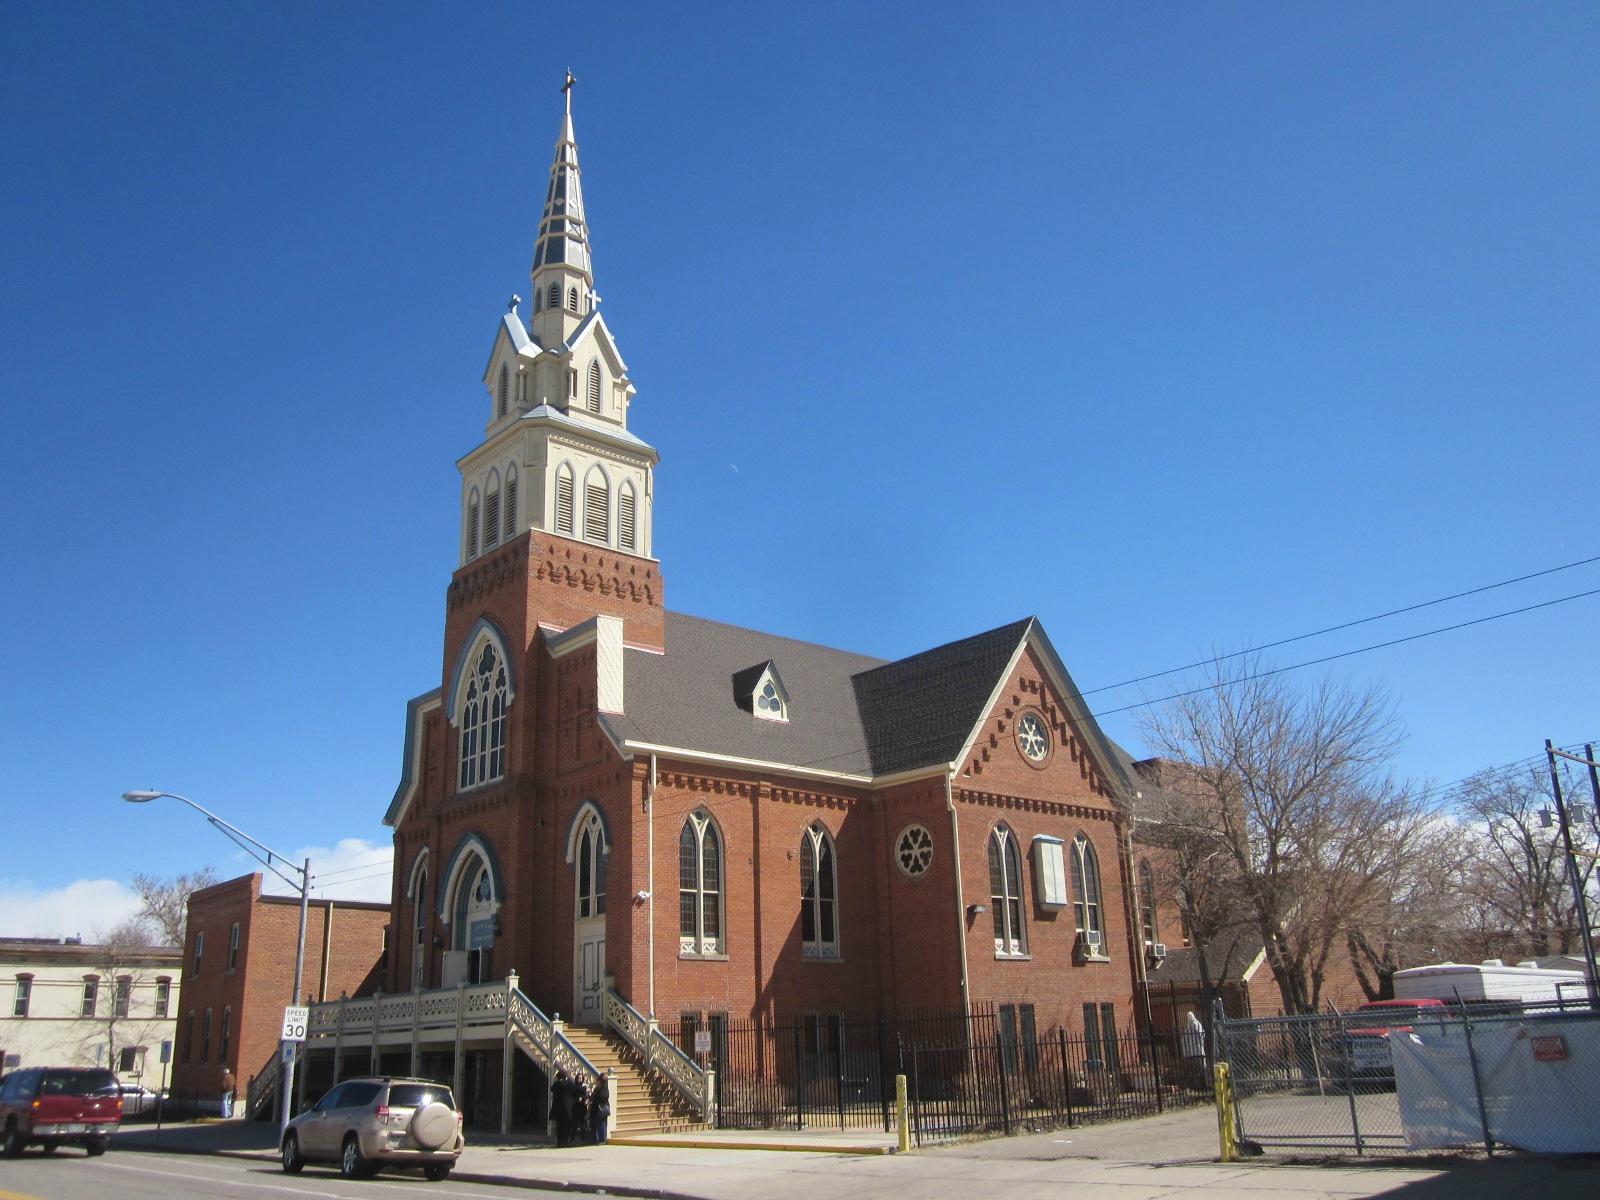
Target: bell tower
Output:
{"points": [[557, 461]]}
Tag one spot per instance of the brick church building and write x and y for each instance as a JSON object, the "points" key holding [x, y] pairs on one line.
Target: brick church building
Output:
{"points": [[604, 794]]}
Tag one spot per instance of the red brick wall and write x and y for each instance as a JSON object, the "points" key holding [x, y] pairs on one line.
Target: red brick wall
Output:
{"points": [[259, 987], [1066, 796]]}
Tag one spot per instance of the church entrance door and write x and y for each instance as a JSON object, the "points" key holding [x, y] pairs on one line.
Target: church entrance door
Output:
{"points": [[589, 922], [589, 972]]}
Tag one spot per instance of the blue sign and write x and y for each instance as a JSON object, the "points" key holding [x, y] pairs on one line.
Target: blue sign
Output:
{"points": [[480, 936]]}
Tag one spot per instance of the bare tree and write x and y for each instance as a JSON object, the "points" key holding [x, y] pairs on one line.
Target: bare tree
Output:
{"points": [[165, 902], [122, 1007], [1517, 886], [1291, 782]]}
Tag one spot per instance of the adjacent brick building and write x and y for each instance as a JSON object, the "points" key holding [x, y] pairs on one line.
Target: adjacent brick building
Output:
{"points": [[238, 975]]}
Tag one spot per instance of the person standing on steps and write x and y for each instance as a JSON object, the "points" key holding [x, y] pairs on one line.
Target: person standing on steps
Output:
{"points": [[599, 1111]]}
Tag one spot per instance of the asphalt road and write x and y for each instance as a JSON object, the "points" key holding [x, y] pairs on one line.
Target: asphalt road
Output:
{"points": [[69, 1174]]}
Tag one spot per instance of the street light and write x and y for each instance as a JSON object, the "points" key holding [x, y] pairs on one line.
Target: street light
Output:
{"points": [[273, 861]]}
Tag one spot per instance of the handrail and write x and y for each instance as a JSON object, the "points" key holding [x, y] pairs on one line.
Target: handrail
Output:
{"points": [[262, 1084], [661, 1053], [547, 1038]]}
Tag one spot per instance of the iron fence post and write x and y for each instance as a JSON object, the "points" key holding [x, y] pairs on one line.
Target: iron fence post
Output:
{"points": [[1066, 1073], [1477, 1085], [1005, 1091], [916, 1096], [799, 1081]]}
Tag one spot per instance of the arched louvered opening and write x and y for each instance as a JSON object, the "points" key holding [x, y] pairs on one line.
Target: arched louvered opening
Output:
{"points": [[555, 295], [627, 519], [596, 507], [594, 386], [505, 389], [511, 502], [572, 299], [564, 499], [472, 525]]}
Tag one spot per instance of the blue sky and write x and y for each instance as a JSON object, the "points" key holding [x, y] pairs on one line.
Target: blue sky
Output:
{"points": [[1183, 327]]}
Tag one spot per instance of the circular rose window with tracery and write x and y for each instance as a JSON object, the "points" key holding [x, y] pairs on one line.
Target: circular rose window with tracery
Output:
{"points": [[914, 850]]}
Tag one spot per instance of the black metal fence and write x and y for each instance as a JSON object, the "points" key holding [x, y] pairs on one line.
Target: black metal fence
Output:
{"points": [[965, 1073]]}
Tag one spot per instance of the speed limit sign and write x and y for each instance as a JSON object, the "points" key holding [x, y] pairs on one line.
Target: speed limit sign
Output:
{"points": [[295, 1020]]}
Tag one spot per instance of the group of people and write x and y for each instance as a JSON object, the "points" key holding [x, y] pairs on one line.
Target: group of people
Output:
{"points": [[581, 1110]]}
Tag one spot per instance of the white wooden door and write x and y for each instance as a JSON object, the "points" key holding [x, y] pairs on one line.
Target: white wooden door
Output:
{"points": [[589, 973]]}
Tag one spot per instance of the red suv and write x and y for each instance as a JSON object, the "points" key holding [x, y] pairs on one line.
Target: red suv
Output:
{"points": [[1364, 1046], [56, 1105]]}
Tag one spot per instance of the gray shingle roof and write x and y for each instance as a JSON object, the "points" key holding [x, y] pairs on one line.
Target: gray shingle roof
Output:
{"points": [[848, 712]]}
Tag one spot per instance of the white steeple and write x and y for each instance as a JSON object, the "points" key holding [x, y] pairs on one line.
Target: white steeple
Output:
{"points": [[563, 280], [559, 394]]}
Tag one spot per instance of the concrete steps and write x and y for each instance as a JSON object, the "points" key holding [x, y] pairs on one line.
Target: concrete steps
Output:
{"points": [[644, 1103]]}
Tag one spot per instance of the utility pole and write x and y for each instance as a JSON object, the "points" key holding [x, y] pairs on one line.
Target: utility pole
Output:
{"points": [[1573, 874]]}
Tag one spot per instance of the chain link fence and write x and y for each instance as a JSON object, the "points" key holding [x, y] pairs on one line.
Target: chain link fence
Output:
{"points": [[1325, 1083]]}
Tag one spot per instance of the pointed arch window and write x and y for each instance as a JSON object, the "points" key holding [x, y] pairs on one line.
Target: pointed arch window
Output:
{"points": [[505, 390], [205, 1037], [420, 930], [564, 499], [1005, 892], [572, 299], [483, 719], [472, 524], [700, 886], [596, 508], [593, 395], [1147, 902], [591, 866], [627, 519], [491, 512], [1086, 894], [511, 502], [555, 296], [819, 897]]}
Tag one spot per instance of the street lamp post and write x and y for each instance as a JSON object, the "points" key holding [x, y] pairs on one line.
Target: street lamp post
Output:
{"points": [[273, 861]]}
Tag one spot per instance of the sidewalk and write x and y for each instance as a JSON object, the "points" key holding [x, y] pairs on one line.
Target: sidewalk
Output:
{"points": [[1134, 1167]]}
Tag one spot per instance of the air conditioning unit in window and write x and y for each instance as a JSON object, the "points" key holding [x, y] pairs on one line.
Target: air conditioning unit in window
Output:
{"points": [[1090, 944], [1157, 951]]}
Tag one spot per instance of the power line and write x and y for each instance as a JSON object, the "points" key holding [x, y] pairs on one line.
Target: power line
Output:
{"points": [[1300, 637], [1327, 658]]}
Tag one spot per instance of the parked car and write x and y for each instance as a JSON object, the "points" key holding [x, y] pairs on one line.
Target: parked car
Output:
{"points": [[1361, 1049], [53, 1106], [365, 1124], [138, 1100]]}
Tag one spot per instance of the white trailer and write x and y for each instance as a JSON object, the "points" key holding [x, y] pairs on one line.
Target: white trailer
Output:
{"points": [[1526, 983]]}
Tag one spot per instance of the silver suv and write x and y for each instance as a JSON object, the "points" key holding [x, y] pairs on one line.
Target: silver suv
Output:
{"points": [[364, 1124]]}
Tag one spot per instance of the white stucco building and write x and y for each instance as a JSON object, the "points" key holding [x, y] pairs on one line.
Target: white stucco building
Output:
{"points": [[64, 1003]]}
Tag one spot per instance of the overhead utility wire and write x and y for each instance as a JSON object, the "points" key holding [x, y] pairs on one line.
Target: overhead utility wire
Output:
{"points": [[1327, 658], [1300, 637], [1258, 675]]}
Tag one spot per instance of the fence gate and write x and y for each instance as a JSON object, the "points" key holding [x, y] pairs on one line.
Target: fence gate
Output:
{"points": [[1313, 1084]]}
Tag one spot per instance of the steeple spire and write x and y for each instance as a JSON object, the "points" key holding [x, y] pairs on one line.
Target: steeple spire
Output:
{"points": [[563, 232]]}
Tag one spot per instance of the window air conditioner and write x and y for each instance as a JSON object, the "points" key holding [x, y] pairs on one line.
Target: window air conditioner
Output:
{"points": [[1158, 952], [1091, 941]]}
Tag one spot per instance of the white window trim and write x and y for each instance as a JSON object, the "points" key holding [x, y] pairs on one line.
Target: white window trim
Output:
{"points": [[699, 945], [770, 676], [812, 841], [1008, 942]]}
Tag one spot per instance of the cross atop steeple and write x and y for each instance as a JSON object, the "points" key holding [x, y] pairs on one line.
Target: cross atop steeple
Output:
{"points": [[566, 88]]}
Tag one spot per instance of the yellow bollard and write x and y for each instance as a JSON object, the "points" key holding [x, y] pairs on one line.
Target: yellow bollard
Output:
{"points": [[1225, 1127], [902, 1115]]}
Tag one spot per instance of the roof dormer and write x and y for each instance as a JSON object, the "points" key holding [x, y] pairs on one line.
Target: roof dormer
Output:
{"points": [[759, 691]]}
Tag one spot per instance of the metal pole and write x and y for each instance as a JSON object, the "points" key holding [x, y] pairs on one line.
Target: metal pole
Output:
{"points": [[289, 1051], [1573, 874]]}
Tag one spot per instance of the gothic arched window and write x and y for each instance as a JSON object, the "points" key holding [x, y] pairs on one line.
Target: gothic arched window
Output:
{"points": [[483, 718], [700, 886], [819, 895], [591, 866], [1005, 891], [555, 296], [572, 299], [505, 390], [594, 386], [1086, 894], [511, 502]]}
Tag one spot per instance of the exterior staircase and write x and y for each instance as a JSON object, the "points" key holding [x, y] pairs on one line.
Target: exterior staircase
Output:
{"points": [[643, 1103]]}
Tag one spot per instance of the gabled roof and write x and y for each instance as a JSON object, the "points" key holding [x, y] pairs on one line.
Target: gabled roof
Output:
{"points": [[856, 716]]}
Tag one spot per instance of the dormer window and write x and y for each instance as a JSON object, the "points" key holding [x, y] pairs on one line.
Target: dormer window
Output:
{"points": [[771, 701]]}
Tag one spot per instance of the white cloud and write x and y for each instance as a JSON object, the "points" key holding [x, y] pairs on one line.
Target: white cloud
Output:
{"points": [[354, 869], [85, 906]]}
